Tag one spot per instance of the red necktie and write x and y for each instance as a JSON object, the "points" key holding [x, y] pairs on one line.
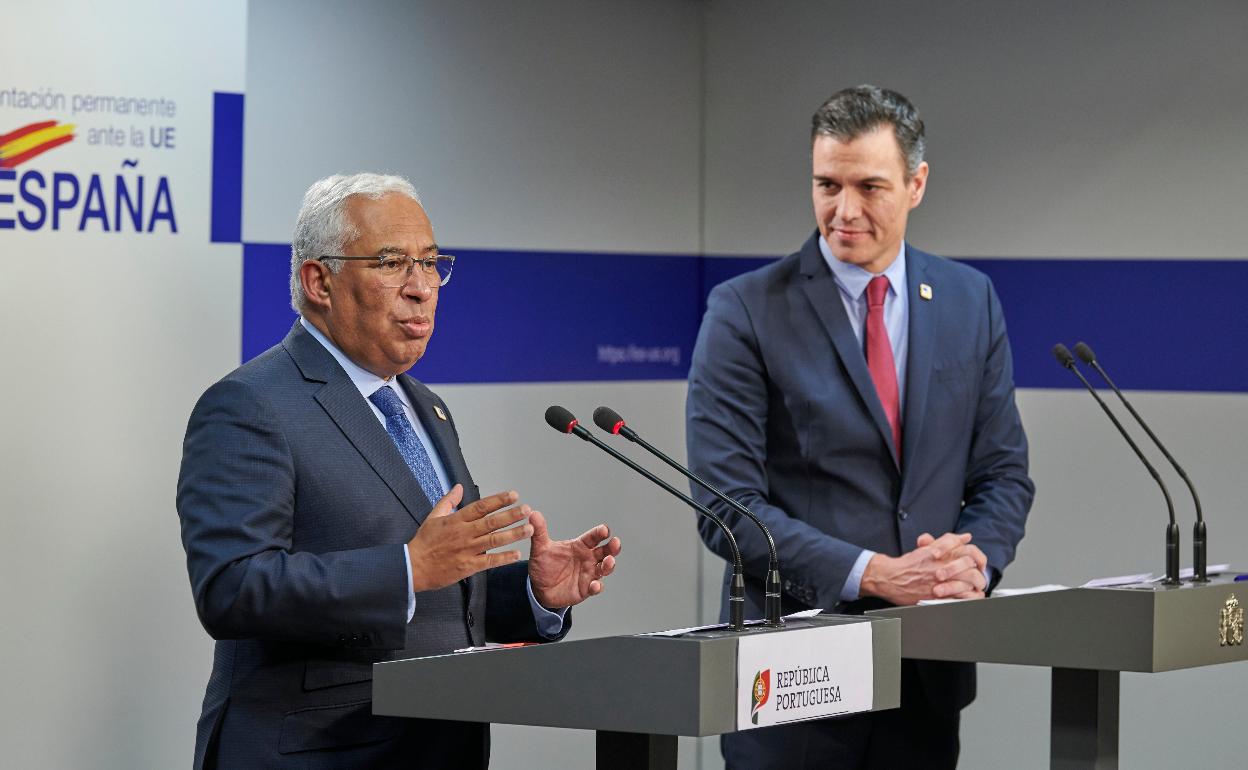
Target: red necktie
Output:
{"points": [[880, 358]]}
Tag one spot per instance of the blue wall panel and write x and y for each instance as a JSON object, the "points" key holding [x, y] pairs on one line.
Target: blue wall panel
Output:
{"points": [[227, 168], [512, 316], [1154, 324], [526, 316]]}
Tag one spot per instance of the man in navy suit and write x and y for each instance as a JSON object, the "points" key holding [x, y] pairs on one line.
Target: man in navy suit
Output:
{"points": [[329, 518], [858, 396]]}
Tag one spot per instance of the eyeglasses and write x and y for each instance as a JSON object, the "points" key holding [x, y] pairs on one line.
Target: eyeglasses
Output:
{"points": [[396, 269]]}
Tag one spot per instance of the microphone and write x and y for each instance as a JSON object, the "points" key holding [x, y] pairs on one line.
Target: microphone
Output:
{"points": [[1063, 356], [1199, 533], [611, 422], [563, 421]]}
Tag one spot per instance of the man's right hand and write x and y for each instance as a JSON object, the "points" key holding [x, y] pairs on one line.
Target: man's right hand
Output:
{"points": [[452, 544], [934, 570]]}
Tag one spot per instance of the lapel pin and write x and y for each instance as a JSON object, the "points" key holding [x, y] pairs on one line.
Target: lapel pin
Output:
{"points": [[925, 291], [438, 411]]}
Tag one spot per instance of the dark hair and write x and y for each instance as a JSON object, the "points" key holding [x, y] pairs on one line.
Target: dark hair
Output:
{"points": [[853, 112]]}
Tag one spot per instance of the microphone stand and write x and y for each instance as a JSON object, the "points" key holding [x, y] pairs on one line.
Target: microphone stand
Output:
{"points": [[611, 422], [1067, 360], [562, 420], [1200, 568]]}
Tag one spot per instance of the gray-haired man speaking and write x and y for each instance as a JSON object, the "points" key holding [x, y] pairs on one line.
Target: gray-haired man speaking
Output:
{"points": [[330, 520]]}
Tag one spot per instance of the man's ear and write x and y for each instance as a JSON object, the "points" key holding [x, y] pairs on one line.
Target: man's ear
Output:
{"points": [[316, 280], [918, 184]]}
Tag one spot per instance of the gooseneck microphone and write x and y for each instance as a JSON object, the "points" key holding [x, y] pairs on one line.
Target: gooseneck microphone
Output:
{"points": [[563, 421], [1064, 357], [1199, 533], [611, 422]]}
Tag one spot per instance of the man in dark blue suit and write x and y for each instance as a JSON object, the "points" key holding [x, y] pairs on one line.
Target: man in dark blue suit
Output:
{"points": [[858, 395], [330, 520]]}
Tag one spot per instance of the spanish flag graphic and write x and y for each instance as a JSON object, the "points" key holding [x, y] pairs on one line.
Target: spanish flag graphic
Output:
{"points": [[35, 139]]}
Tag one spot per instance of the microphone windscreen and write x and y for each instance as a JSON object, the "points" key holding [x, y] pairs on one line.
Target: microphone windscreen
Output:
{"points": [[1063, 356], [560, 419], [1085, 353], [608, 419]]}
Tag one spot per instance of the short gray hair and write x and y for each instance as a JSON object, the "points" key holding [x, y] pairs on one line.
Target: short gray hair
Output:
{"points": [[323, 226], [850, 113]]}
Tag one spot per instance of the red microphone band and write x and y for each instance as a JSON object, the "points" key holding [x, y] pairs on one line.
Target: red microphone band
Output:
{"points": [[572, 425], [616, 430]]}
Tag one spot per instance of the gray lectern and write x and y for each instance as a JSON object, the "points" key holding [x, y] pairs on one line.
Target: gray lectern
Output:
{"points": [[1087, 636], [637, 692]]}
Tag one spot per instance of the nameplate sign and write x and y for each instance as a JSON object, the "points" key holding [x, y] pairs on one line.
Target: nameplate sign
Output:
{"points": [[792, 676]]}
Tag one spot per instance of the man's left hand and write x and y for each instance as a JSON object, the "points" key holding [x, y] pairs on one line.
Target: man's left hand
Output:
{"points": [[956, 583], [567, 572]]}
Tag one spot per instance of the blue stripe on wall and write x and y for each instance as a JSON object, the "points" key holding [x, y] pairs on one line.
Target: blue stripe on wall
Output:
{"points": [[227, 168], [536, 316], [266, 296], [1154, 324], [526, 316]]}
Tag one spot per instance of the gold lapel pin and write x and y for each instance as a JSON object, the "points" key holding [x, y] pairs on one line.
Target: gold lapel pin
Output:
{"points": [[438, 411], [925, 291]]}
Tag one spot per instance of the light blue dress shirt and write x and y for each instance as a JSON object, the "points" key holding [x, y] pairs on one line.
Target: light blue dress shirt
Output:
{"points": [[549, 624], [852, 282]]}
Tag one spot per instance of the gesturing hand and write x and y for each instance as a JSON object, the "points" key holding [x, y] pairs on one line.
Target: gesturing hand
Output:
{"points": [[567, 572], [451, 545]]}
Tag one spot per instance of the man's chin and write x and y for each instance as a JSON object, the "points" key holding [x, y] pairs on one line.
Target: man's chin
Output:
{"points": [[857, 257], [413, 357], [850, 257]]}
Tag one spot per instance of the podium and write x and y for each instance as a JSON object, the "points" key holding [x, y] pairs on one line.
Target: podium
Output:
{"points": [[1087, 636], [638, 692]]}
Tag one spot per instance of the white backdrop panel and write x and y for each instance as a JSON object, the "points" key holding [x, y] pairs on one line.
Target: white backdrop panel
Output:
{"points": [[110, 336]]}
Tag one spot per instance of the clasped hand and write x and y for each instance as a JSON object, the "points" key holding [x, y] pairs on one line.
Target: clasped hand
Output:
{"points": [[454, 544], [948, 567]]}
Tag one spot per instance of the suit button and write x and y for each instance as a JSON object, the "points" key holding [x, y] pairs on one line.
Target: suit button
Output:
{"points": [[355, 638], [342, 638], [366, 639], [471, 620], [903, 514]]}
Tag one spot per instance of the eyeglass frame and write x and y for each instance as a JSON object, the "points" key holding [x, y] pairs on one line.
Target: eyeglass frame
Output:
{"points": [[425, 262]]}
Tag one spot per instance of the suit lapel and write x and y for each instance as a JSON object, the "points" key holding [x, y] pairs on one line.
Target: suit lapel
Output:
{"points": [[825, 298], [342, 401], [919, 356]]}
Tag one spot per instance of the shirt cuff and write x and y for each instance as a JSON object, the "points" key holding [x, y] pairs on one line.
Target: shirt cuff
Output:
{"points": [[549, 624], [853, 583], [411, 592]]}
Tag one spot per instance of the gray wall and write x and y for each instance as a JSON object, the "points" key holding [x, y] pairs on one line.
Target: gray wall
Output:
{"points": [[1056, 129]]}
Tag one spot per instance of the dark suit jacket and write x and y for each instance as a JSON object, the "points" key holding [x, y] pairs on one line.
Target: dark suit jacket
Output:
{"points": [[294, 503], [783, 416]]}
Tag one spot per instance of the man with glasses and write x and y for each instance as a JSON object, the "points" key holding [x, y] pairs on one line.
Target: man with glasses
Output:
{"points": [[330, 520]]}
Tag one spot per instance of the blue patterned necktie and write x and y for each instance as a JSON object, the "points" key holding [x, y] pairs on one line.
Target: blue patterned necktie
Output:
{"points": [[409, 444]]}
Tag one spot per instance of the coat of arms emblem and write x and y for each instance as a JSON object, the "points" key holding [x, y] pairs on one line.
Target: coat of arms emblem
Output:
{"points": [[1231, 623]]}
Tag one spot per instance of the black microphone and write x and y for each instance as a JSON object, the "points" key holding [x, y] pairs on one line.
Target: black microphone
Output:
{"points": [[563, 421], [610, 421], [1064, 357], [1199, 533]]}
